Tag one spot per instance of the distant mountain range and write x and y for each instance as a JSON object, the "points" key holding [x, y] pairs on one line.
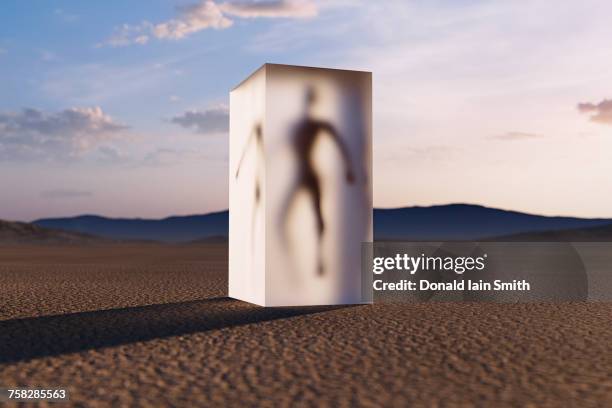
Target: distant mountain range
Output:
{"points": [[442, 222], [468, 222]]}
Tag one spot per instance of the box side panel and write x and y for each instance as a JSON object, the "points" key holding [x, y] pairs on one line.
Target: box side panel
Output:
{"points": [[246, 191], [319, 184]]}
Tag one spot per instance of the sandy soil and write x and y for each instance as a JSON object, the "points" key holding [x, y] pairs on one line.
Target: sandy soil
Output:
{"points": [[149, 325]]}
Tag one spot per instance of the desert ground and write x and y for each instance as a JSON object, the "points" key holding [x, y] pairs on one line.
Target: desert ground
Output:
{"points": [[150, 325]]}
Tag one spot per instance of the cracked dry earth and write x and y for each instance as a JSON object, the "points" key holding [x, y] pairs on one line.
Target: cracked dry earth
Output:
{"points": [[149, 325]]}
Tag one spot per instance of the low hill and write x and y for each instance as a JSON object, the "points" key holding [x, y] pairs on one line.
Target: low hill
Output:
{"points": [[442, 222], [172, 229], [592, 234], [24, 233]]}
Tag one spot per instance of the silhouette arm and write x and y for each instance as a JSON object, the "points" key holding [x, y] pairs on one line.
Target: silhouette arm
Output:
{"points": [[244, 151], [343, 150]]}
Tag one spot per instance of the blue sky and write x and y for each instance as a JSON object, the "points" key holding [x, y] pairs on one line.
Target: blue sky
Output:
{"points": [[119, 108]]}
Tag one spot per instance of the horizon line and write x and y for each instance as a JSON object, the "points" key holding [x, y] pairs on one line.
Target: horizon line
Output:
{"points": [[137, 218]]}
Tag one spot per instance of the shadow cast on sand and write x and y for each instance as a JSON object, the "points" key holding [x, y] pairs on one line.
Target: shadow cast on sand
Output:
{"points": [[24, 339]]}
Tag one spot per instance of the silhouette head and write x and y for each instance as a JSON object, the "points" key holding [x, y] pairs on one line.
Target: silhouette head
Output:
{"points": [[311, 96]]}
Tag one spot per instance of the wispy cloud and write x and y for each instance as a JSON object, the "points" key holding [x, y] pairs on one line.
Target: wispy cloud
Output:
{"points": [[211, 121], [155, 157], [128, 34], [431, 152], [208, 14], [65, 16], [167, 157], [111, 155], [65, 194], [99, 84], [48, 56], [511, 136], [600, 112], [34, 134]]}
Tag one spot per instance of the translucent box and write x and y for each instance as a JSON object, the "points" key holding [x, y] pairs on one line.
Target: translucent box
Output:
{"points": [[300, 185]]}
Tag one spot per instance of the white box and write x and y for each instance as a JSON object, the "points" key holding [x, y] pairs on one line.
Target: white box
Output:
{"points": [[300, 185]]}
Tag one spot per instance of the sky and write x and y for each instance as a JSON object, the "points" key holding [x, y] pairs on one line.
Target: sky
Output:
{"points": [[121, 108]]}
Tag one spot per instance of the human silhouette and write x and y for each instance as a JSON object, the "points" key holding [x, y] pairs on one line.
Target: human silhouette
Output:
{"points": [[303, 139], [256, 136]]}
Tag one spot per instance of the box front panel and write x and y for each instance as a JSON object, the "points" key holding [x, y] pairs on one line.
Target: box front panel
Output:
{"points": [[319, 184]]}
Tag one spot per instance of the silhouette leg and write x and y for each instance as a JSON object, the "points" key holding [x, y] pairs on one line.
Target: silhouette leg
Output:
{"points": [[283, 227], [286, 211], [316, 199], [315, 192]]}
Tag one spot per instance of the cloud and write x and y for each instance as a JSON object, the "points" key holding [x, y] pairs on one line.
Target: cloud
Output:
{"points": [[211, 121], [63, 194], [194, 18], [208, 14], [34, 134], [271, 9], [600, 112], [510, 136]]}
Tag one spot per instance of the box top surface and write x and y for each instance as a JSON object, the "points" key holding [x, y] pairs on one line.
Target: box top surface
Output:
{"points": [[252, 74], [268, 64]]}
